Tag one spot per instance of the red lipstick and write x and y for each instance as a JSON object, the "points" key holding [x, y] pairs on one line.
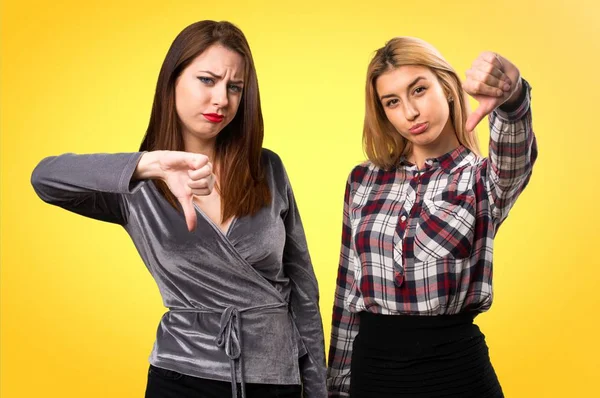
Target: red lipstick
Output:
{"points": [[213, 117]]}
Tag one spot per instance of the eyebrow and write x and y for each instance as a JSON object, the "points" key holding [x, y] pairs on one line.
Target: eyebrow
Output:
{"points": [[220, 77], [409, 87]]}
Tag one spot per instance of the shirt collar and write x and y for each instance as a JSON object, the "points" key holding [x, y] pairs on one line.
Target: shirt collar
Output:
{"points": [[447, 161]]}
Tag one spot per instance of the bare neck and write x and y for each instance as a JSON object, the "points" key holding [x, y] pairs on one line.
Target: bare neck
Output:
{"points": [[446, 142], [207, 147]]}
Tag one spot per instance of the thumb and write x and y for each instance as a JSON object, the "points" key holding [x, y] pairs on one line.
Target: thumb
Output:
{"points": [[189, 212], [195, 160], [475, 118]]}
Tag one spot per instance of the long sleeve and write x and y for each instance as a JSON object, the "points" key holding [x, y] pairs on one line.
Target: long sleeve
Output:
{"points": [[91, 185], [512, 153], [304, 301], [344, 323]]}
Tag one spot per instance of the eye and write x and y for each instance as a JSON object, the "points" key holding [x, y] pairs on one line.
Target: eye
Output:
{"points": [[235, 88], [206, 80], [391, 103], [419, 90]]}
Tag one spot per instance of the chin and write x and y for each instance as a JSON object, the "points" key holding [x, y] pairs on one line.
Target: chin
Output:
{"points": [[207, 133], [422, 140]]}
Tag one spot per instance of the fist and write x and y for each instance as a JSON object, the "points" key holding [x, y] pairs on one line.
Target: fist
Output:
{"points": [[492, 81], [187, 174]]}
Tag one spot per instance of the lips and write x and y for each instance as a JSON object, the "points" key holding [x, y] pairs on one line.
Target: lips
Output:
{"points": [[419, 128], [213, 117]]}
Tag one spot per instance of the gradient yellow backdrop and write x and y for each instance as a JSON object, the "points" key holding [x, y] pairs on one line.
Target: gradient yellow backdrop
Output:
{"points": [[78, 309]]}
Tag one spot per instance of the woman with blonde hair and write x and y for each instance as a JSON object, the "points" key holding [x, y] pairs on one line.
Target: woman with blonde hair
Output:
{"points": [[420, 218]]}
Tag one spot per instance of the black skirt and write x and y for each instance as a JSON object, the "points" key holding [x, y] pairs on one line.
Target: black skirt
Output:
{"points": [[421, 357]]}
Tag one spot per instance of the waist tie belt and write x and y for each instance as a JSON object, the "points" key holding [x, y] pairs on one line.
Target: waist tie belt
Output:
{"points": [[229, 337]]}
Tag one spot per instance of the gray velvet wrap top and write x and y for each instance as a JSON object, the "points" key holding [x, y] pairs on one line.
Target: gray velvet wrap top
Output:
{"points": [[243, 305]]}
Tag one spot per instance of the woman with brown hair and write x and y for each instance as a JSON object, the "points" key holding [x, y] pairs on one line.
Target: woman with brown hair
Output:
{"points": [[419, 224], [214, 219]]}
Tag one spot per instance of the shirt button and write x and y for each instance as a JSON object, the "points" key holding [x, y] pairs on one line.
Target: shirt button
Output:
{"points": [[398, 279], [403, 218]]}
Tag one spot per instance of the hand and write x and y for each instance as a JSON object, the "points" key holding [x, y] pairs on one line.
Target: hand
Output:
{"points": [[186, 174], [492, 81]]}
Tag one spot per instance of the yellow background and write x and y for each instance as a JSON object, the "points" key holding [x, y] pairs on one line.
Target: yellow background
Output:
{"points": [[78, 309]]}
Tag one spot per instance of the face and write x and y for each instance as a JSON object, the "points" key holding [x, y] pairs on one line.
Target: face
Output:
{"points": [[416, 105], [208, 93]]}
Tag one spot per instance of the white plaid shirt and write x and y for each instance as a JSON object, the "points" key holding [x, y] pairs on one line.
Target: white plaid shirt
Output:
{"points": [[420, 242]]}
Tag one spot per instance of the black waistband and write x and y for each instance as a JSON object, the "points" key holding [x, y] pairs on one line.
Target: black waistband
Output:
{"points": [[417, 327]]}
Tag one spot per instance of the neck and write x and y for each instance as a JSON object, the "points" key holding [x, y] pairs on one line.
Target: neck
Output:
{"points": [[446, 142], [200, 146]]}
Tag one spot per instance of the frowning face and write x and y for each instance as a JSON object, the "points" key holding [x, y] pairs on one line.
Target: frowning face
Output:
{"points": [[208, 93], [416, 105]]}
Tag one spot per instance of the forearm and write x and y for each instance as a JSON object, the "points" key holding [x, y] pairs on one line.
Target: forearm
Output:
{"points": [[91, 185], [512, 154]]}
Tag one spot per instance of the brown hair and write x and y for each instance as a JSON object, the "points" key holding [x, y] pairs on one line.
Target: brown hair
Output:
{"points": [[382, 143], [242, 185]]}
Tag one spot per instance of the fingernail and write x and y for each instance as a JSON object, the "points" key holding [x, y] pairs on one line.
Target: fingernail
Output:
{"points": [[506, 87]]}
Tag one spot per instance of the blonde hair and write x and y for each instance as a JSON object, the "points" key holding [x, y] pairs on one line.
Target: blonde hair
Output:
{"points": [[382, 143]]}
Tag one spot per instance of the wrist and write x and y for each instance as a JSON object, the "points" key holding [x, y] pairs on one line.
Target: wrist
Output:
{"points": [[148, 168], [516, 98]]}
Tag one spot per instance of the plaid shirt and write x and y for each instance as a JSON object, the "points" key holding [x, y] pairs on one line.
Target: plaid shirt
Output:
{"points": [[420, 242]]}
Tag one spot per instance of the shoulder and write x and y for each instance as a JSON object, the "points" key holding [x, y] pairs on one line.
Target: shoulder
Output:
{"points": [[361, 172], [270, 158], [274, 171], [273, 165], [476, 162], [360, 175]]}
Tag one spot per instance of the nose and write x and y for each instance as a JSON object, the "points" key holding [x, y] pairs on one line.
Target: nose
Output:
{"points": [[411, 111], [219, 96]]}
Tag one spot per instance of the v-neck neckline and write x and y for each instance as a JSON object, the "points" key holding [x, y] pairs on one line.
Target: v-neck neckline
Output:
{"points": [[225, 233]]}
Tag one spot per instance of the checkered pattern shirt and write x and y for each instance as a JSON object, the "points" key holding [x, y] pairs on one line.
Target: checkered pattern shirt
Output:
{"points": [[420, 242]]}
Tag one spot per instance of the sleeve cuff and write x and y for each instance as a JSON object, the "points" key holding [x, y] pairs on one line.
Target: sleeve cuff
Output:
{"points": [[131, 162], [520, 108]]}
